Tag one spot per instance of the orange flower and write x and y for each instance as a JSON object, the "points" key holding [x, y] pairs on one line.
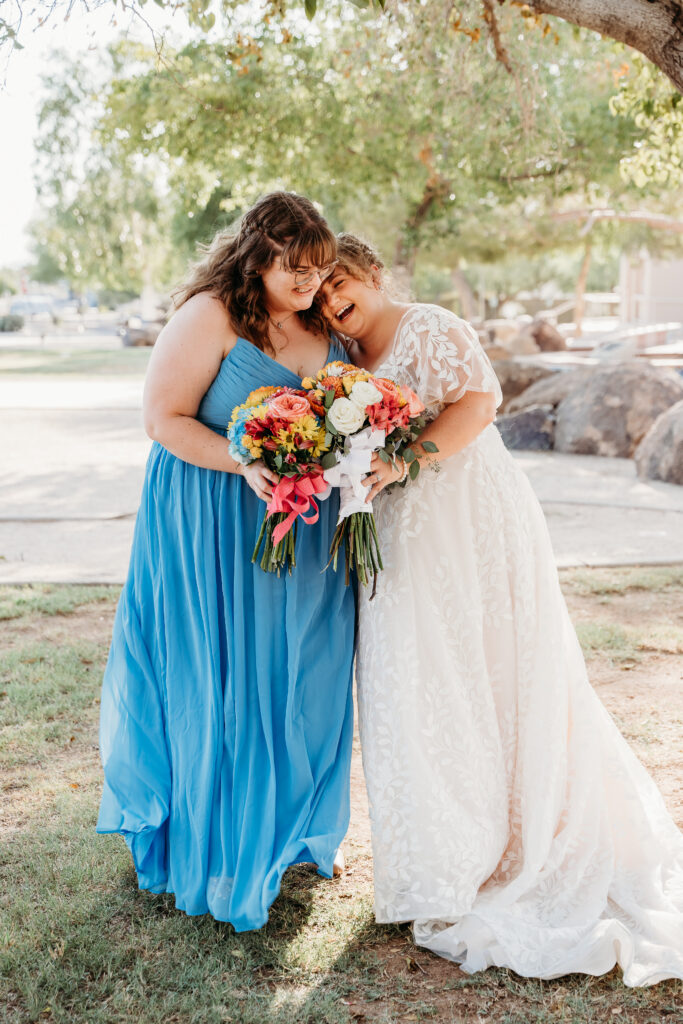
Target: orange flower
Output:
{"points": [[335, 384], [390, 392], [315, 399]]}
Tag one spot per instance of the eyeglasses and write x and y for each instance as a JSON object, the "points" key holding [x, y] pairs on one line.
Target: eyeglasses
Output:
{"points": [[304, 276]]}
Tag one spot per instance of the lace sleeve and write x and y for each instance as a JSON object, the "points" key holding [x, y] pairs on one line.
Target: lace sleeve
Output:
{"points": [[450, 359]]}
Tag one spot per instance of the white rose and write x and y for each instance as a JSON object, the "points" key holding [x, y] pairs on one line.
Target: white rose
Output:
{"points": [[363, 394], [345, 416]]}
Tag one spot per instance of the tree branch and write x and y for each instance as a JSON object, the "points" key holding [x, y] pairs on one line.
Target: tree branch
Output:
{"points": [[652, 220], [492, 23], [654, 27]]}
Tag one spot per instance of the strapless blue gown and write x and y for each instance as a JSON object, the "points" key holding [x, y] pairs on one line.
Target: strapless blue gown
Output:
{"points": [[227, 716]]}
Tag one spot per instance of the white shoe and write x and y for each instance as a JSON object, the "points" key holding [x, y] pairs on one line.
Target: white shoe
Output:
{"points": [[339, 865]]}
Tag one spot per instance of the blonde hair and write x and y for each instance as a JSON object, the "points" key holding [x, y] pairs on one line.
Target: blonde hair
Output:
{"points": [[356, 257], [280, 224]]}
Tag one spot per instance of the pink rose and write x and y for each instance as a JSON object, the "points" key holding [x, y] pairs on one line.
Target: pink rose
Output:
{"points": [[389, 391], [415, 406], [289, 407]]}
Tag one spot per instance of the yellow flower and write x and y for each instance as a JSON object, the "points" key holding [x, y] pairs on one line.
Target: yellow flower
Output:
{"points": [[308, 428], [254, 445], [285, 439], [258, 396], [349, 379]]}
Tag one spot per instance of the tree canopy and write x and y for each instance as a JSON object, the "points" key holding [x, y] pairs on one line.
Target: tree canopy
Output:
{"points": [[653, 27], [406, 135]]}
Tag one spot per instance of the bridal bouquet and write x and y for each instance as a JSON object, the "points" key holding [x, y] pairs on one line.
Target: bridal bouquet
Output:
{"points": [[281, 426], [363, 414]]}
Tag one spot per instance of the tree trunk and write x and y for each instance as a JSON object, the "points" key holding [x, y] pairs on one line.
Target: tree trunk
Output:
{"points": [[468, 300], [403, 267], [580, 305], [409, 239], [655, 27]]}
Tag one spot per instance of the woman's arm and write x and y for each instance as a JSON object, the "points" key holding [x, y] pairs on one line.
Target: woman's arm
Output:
{"points": [[458, 425], [452, 430], [185, 360]]}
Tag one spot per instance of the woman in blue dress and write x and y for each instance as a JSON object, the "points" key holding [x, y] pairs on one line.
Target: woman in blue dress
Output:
{"points": [[226, 723]]}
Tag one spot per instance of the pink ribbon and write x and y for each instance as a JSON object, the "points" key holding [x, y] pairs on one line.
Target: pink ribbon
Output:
{"points": [[294, 495]]}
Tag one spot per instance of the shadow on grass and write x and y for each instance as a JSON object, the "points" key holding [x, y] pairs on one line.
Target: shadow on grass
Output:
{"points": [[81, 944]]}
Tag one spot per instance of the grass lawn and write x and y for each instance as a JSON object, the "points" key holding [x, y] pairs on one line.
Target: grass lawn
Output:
{"points": [[79, 944], [69, 361]]}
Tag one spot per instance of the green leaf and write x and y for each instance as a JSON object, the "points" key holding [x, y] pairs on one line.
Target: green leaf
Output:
{"points": [[310, 8], [414, 469], [409, 454], [329, 398], [328, 439], [383, 455], [329, 460], [278, 461], [429, 446], [330, 429]]}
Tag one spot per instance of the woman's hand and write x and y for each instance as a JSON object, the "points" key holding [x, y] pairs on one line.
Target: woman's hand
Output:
{"points": [[260, 479], [382, 474]]}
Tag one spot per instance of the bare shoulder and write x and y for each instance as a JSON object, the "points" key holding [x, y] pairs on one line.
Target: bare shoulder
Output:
{"points": [[204, 321]]}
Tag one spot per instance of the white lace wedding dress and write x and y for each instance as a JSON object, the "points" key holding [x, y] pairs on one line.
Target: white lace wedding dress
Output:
{"points": [[510, 820]]}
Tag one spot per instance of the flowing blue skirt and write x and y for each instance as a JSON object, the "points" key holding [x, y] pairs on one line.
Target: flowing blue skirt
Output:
{"points": [[226, 720]]}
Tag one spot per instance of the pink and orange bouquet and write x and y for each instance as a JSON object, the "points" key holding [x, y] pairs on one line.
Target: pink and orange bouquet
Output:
{"points": [[362, 414], [282, 427]]}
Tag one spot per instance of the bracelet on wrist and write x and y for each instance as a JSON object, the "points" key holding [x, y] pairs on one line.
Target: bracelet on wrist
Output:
{"points": [[404, 472]]}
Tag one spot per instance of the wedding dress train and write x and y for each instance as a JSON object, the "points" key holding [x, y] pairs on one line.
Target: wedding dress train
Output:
{"points": [[510, 820]]}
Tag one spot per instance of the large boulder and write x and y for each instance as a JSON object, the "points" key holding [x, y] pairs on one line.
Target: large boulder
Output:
{"points": [[516, 377], [550, 390], [543, 335], [659, 455], [529, 430], [501, 331], [496, 353], [509, 335], [613, 409]]}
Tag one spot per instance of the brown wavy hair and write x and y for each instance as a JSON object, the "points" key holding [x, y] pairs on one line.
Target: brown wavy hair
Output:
{"points": [[280, 224]]}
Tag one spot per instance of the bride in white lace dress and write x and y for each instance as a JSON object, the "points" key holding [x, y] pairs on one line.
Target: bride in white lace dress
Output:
{"points": [[510, 820]]}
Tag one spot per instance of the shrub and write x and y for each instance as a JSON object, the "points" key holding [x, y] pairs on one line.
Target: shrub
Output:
{"points": [[11, 322]]}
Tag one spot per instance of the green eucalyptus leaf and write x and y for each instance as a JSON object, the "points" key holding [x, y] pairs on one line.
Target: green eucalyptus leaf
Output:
{"points": [[429, 446], [414, 469]]}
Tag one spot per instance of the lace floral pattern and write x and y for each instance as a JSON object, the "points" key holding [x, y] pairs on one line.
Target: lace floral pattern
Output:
{"points": [[510, 820]]}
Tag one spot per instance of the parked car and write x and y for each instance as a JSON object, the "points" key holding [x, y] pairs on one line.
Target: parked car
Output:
{"points": [[136, 332], [39, 308]]}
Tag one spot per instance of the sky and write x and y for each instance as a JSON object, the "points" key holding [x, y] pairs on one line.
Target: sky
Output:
{"points": [[19, 100]]}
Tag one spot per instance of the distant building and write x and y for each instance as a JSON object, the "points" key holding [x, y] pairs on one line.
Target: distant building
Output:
{"points": [[651, 290]]}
